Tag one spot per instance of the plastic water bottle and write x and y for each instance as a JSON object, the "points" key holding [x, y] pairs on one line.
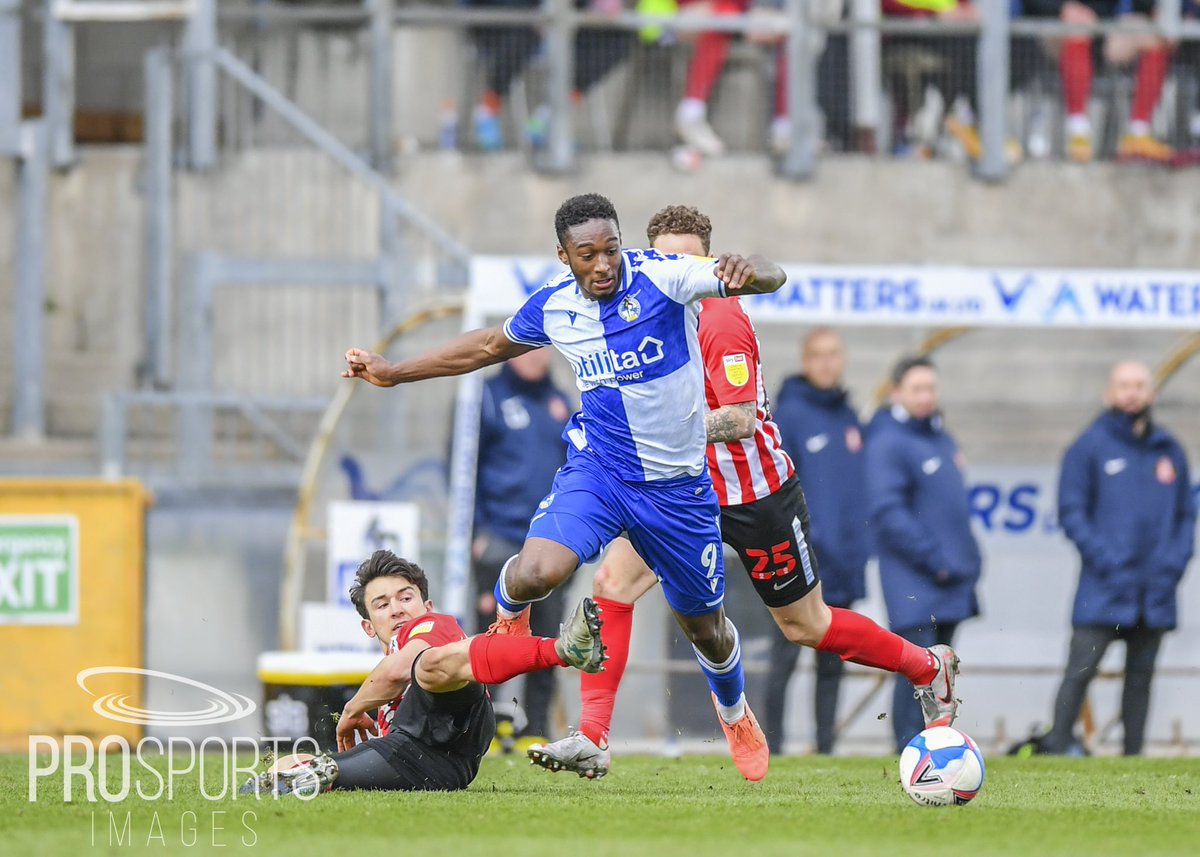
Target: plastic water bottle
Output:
{"points": [[448, 127]]}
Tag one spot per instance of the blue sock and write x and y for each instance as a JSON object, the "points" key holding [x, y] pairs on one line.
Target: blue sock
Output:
{"points": [[726, 680]]}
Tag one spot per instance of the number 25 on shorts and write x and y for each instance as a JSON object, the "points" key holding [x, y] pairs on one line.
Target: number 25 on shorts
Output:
{"points": [[780, 557]]}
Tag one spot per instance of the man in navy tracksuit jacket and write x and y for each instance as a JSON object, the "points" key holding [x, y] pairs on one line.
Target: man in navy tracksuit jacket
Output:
{"points": [[928, 559], [1124, 499], [822, 435], [521, 421]]}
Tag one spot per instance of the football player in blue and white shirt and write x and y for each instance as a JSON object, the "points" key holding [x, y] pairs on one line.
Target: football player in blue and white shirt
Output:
{"points": [[626, 321]]}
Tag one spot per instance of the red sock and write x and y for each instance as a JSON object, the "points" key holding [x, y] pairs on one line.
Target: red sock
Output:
{"points": [[1076, 64], [1151, 72], [599, 690], [707, 62], [857, 639], [497, 659]]}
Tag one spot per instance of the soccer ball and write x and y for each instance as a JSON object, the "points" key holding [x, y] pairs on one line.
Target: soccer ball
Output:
{"points": [[941, 767], [687, 159]]}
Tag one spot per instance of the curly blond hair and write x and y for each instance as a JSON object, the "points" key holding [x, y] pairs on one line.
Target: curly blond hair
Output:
{"points": [[680, 220]]}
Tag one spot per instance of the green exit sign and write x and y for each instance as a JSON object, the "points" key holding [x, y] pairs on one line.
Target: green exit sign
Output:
{"points": [[39, 570]]}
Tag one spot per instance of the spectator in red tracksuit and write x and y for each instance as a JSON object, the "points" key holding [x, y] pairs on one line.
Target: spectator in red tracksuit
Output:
{"points": [[1125, 500]]}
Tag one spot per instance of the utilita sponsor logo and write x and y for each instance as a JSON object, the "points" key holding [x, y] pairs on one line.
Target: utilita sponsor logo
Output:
{"points": [[605, 364]]}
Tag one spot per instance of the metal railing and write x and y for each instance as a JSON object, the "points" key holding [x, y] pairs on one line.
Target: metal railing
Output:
{"points": [[857, 69], [254, 440], [206, 282], [386, 99]]}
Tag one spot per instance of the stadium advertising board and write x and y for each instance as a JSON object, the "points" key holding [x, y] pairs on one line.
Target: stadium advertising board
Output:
{"points": [[359, 528], [918, 295]]}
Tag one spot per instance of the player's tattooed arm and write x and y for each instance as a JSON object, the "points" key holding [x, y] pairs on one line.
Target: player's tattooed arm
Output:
{"points": [[730, 422], [466, 353]]}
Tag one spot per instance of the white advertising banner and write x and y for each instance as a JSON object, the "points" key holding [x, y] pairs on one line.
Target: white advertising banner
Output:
{"points": [[918, 295]]}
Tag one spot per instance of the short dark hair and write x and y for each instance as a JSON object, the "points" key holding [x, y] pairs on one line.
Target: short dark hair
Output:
{"points": [[906, 364], [385, 564], [581, 209], [680, 220]]}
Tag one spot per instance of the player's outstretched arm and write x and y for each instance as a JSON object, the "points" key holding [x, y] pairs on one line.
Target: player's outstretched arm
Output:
{"points": [[390, 678], [749, 274], [466, 353]]}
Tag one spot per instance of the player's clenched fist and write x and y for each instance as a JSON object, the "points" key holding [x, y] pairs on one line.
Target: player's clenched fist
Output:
{"points": [[735, 271], [367, 365]]}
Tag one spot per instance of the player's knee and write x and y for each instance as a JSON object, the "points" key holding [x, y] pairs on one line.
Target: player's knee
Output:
{"points": [[612, 583], [805, 622], [712, 638], [535, 576], [603, 585], [801, 632]]}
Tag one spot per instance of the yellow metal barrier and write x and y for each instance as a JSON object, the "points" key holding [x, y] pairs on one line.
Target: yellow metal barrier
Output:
{"points": [[72, 556]]}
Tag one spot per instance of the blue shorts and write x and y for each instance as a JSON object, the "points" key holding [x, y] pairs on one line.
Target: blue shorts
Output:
{"points": [[673, 524]]}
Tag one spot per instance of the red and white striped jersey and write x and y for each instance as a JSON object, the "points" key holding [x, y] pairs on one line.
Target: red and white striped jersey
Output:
{"points": [[755, 467]]}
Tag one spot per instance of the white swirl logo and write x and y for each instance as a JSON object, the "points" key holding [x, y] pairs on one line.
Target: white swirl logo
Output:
{"points": [[219, 706]]}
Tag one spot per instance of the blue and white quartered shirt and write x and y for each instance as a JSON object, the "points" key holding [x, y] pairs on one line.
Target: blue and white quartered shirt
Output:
{"points": [[637, 361]]}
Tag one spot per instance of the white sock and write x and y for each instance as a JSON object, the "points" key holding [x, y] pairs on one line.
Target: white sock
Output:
{"points": [[733, 713], [691, 110], [501, 610], [1139, 128], [1079, 125]]}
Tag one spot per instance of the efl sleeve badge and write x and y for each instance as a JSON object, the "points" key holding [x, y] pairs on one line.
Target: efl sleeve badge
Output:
{"points": [[737, 370]]}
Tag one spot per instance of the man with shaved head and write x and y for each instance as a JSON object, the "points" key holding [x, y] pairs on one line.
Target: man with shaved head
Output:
{"points": [[1124, 499]]}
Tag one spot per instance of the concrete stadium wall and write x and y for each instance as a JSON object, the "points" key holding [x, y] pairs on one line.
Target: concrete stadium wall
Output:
{"points": [[293, 202]]}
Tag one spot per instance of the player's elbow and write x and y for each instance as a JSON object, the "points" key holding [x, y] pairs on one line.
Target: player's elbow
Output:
{"points": [[768, 277], [776, 282]]}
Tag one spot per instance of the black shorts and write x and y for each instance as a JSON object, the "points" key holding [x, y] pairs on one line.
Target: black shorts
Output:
{"points": [[435, 743], [771, 537]]}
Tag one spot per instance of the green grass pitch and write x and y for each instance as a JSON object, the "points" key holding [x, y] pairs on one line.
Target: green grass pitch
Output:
{"points": [[689, 807]]}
